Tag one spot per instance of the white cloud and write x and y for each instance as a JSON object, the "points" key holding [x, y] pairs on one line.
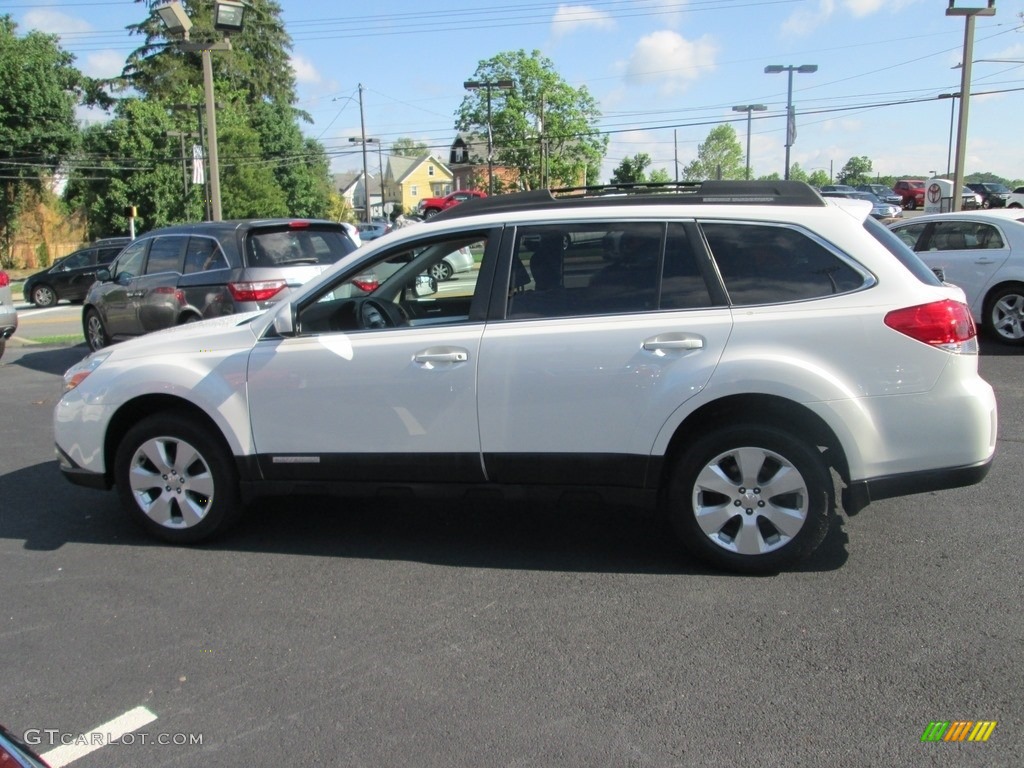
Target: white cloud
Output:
{"points": [[305, 70], [670, 61], [806, 20], [102, 64], [573, 18], [53, 22]]}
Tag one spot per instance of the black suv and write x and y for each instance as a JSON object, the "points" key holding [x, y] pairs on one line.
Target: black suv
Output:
{"points": [[197, 271], [993, 194], [70, 277]]}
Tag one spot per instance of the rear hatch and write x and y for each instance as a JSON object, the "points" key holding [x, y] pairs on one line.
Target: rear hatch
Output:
{"points": [[295, 251]]}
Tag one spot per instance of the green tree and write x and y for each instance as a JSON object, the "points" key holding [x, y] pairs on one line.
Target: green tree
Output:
{"points": [[406, 147], [632, 170], [543, 128], [267, 166], [796, 173], [38, 130], [719, 157], [818, 178], [659, 176], [856, 171]]}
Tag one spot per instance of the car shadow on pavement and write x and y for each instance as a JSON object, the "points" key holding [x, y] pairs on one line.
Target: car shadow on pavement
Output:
{"points": [[52, 359], [505, 535]]}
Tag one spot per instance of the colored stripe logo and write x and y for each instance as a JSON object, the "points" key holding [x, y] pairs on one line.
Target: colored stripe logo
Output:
{"points": [[958, 730]]}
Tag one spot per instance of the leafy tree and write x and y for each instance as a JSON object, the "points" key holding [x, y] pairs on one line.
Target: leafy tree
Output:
{"points": [[796, 173], [856, 171], [541, 111], [267, 166], [818, 178], [38, 131], [719, 157], [406, 147], [632, 169], [659, 176]]}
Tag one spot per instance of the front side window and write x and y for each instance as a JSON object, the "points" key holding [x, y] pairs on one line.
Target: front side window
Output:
{"points": [[963, 235], [129, 263], [768, 264], [429, 283]]}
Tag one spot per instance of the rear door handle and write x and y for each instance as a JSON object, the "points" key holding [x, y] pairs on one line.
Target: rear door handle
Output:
{"points": [[673, 341]]}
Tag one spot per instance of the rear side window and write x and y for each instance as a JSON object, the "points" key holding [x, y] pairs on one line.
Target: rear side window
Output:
{"points": [[618, 267], [296, 246], [766, 264], [204, 254], [963, 235]]}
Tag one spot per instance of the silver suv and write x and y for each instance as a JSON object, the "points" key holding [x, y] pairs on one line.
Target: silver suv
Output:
{"points": [[745, 354], [191, 272]]}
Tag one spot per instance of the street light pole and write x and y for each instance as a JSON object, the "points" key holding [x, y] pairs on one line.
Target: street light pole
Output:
{"points": [[969, 15], [749, 108], [952, 112], [474, 85], [227, 18], [804, 69], [380, 166]]}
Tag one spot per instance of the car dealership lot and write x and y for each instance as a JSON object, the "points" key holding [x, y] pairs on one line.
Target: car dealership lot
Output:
{"points": [[331, 632]]}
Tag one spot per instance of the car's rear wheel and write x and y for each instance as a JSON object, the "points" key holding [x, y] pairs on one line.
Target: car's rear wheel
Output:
{"points": [[441, 271], [95, 332], [1004, 314], [911, 204], [176, 479], [750, 498], [44, 296]]}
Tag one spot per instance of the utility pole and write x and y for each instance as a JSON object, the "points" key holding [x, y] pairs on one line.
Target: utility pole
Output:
{"points": [[366, 175], [504, 85]]}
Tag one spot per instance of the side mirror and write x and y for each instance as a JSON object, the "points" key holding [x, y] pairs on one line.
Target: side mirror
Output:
{"points": [[425, 286], [284, 320], [103, 275]]}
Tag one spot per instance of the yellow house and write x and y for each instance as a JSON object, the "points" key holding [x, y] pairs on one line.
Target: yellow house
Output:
{"points": [[411, 179]]}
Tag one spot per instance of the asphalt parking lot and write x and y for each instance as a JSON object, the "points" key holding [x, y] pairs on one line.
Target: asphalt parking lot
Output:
{"points": [[387, 633]]}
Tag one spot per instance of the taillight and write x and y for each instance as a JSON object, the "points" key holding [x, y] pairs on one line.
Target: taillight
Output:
{"points": [[5, 279], [256, 290], [367, 282], [947, 324]]}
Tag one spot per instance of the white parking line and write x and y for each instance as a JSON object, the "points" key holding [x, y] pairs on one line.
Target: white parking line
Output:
{"points": [[100, 736]]}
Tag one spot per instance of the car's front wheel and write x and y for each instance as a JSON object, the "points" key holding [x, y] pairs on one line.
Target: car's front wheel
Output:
{"points": [[44, 296], [1004, 314], [95, 332], [751, 499], [177, 479]]}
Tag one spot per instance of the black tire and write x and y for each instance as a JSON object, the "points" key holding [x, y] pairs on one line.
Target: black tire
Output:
{"points": [[721, 504], [95, 332], [3, 346], [44, 296], [176, 479], [911, 204], [441, 271], [430, 213], [1004, 314], [986, 205], [1015, 205]]}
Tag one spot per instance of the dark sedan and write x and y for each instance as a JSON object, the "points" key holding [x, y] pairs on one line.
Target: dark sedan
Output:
{"points": [[69, 278]]}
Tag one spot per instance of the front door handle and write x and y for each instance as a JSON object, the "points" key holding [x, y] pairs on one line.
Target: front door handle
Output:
{"points": [[673, 341], [441, 355]]}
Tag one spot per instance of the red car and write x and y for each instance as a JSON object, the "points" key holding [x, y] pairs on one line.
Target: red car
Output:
{"points": [[431, 206], [912, 192]]}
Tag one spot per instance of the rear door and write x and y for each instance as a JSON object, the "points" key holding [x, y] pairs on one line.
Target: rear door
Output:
{"points": [[608, 329]]}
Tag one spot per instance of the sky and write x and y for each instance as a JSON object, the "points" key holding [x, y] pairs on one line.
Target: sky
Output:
{"points": [[664, 72]]}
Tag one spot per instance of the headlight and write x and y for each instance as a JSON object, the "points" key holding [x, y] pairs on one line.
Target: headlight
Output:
{"points": [[79, 372]]}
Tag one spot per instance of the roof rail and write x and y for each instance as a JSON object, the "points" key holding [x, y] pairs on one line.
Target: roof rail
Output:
{"points": [[784, 193]]}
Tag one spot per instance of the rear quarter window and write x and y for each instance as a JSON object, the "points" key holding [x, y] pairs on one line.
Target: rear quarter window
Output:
{"points": [[898, 248], [769, 264]]}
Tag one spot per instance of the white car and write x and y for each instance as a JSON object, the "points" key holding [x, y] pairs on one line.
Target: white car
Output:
{"points": [[982, 252], [725, 350]]}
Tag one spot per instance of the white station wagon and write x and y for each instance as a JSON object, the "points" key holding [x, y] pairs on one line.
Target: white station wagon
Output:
{"points": [[746, 355]]}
